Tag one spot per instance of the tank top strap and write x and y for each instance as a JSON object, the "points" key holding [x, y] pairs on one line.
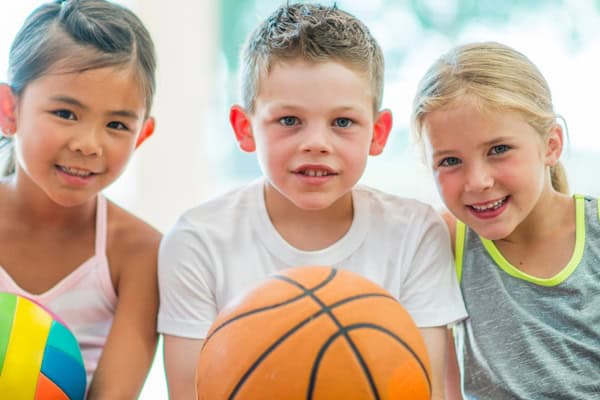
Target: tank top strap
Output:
{"points": [[459, 247], [101, 218]]}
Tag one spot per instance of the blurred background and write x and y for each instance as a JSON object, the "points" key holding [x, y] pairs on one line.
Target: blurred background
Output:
{"points": [[193, 155]]}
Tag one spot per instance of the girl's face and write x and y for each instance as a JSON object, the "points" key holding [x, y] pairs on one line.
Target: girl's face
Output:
{"points": [[75, 132], [491, 169]]}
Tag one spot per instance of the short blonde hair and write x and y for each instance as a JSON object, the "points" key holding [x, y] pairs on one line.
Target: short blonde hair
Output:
{"points": [[499, 78], [313, 33]]}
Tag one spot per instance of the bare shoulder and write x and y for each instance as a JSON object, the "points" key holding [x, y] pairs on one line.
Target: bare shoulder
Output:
{"points": [[132, 244], [129, 232]]}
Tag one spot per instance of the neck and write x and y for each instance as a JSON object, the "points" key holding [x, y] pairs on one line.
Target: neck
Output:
{"points": [[312, 229], [553, 213], [33, 207]]}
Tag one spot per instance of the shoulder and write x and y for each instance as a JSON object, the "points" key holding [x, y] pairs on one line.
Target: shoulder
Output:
{"points": [[396, 210], [212, 223], [130, 241], [230, 205], [451, 224]]}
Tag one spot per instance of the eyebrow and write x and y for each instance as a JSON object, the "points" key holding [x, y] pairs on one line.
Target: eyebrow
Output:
{"points": [[489, 143], [74, 102], [290, 107], [442, 153]]}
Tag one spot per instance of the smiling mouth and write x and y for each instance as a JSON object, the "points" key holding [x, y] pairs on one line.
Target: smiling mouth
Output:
{"points": [[81, 173], [315, 172], [489, 206]]}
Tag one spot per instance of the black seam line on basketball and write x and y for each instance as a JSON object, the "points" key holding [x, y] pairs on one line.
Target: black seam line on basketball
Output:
{"points": [[283, 337], [348, 328], [327, 309], [258, 310]]}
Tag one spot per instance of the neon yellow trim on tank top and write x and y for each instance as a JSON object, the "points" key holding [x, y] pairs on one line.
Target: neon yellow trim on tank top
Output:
{"points": [[562, 275], [459, 248]]}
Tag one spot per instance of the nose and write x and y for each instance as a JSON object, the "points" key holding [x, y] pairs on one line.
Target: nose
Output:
{"points": [[479, 178], [87, 141], [316, 139]]}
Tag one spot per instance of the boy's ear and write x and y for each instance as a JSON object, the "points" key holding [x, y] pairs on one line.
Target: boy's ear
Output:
{"points": [[8, 122], [146, 132], [381, 132], [240, 122], [554, 145]]}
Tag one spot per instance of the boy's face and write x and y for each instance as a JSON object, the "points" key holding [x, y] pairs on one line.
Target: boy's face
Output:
{"points": [[312, 127]]}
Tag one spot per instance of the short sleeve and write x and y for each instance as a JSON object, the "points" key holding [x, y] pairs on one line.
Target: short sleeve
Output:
{"points": [[430, 289], [186, 284]]}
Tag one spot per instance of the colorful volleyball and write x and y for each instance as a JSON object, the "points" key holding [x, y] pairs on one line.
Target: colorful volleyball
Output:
{"points": [[39, 356]]}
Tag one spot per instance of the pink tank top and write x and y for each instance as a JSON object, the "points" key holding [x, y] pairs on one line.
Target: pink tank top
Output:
{"points": [[85, 299]]}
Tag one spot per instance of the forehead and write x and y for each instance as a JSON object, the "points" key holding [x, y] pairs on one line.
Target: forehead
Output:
{"points": [[472, 123], [318, 82]]}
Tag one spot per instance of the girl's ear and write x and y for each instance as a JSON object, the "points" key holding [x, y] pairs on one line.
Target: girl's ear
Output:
{"points": [[381, 132], [240, 122], [8, 122], [146, 132], [554, 145]]}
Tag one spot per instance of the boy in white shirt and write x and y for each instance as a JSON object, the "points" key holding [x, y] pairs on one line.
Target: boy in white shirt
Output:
{"points": [[312, 83]]}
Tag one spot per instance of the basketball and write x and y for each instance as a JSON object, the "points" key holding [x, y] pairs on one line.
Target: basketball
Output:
{"points": [[39, 356], [314, 333]]}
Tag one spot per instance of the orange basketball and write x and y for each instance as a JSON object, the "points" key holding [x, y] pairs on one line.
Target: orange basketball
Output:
{"points": [[314, 333]]}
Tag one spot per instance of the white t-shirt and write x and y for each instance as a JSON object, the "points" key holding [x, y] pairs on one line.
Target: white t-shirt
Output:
{"points": [[220, 249]]}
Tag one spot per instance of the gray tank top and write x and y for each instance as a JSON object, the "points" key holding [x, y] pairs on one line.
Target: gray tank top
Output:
{"points": [[526, 337]]}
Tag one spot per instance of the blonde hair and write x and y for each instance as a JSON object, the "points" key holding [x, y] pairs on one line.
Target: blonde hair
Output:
{"points": [[314, 33], [498, 78]]}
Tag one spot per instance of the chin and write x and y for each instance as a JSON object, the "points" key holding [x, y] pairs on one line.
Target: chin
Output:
{"points": [[311, 206], [70, 201], [491, 233]]}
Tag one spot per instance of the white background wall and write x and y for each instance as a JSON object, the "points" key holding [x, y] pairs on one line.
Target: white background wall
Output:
{"points": [[169, 173]]}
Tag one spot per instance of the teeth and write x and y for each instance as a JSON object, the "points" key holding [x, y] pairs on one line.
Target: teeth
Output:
{"points": [[310, 172], [75, 171], [491, 206]]}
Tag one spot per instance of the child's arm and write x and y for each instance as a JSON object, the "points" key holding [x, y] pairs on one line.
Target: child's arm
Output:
{"points": [[188, 305], [180, 359], [452, 371], [436, 342], [132, 250]]}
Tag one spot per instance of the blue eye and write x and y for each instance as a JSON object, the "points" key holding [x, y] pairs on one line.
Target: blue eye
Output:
{"points": [[343, 122], [288, 121], [499, 149], [64, 114], [449, 162]]}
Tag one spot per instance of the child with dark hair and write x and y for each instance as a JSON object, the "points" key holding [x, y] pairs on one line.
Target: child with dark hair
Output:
{"points": [[77, 104]]}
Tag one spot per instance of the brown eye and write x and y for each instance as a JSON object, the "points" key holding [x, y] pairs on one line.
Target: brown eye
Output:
{"points": [[64, 114], [117, 125]]}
